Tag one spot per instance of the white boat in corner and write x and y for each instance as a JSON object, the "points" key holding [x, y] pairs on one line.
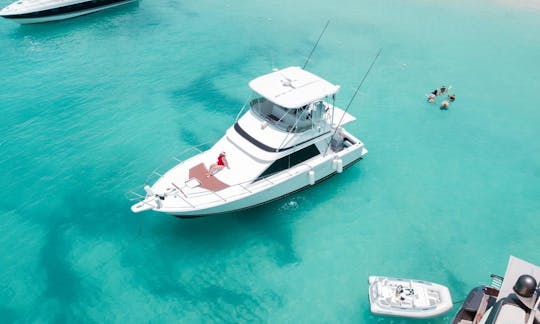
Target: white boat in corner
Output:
{"points": [[408, 298], [512, 299], [289, 138], [39, 11]]}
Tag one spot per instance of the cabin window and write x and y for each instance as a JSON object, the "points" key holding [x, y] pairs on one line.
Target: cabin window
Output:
{"points": [[290, 160], [287, 119]]}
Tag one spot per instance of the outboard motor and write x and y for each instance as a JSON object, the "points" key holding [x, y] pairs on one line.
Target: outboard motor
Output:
{"points": [[525, 286]]}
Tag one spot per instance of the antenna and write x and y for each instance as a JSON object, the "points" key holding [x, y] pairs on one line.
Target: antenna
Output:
{"points": [[354, 95], [317, 43]]}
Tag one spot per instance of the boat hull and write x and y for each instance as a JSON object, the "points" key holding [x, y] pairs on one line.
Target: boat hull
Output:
{"points": [[248, 195], [64, 12], [280, 188], [305, 187]]}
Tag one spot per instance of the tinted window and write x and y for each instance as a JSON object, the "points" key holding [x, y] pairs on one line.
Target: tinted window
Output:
{"points": [[290, 160]]}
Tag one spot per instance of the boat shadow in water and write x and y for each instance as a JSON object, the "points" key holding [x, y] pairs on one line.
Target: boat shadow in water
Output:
{"points": [[218, 234], [271, 223], [204, 262]]}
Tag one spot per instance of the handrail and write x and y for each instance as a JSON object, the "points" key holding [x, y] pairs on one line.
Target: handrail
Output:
{"points": [[180, 195], [138, 197], [215, 193], [246, 189], [496, 281], [180, 161], [244, 106]]}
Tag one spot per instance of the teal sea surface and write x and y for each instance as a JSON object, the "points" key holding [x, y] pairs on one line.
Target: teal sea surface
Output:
{"points": [[91, 106]]}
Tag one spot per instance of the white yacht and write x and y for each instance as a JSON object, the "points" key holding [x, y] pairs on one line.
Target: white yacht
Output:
{"points": [[38, 11], [408, 298], [289, 137]]}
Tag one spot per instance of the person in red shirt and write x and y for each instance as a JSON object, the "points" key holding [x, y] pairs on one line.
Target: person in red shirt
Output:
{"points": [[219, 165]]}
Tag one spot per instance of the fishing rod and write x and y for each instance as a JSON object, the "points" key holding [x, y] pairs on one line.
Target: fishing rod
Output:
{"points": [[354, 95], [316, 44]]}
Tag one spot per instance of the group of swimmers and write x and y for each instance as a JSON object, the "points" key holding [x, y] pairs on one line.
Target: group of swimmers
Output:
{"points": [[439, 92]]}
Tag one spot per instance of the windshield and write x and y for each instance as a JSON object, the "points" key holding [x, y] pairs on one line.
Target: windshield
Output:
{"points": [[290, 120]]}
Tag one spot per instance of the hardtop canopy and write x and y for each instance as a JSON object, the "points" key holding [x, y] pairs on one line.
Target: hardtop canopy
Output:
{"points": [[292, 87]]}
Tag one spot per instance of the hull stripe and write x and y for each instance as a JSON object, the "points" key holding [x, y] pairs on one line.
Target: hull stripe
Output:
{"points": [[267, 148], [66, 9]]}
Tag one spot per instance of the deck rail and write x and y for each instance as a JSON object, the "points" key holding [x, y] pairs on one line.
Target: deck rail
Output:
{"points": [[496, 281]]}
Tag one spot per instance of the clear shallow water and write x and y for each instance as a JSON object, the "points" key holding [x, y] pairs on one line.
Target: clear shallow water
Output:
{"points": [[91, 106]]}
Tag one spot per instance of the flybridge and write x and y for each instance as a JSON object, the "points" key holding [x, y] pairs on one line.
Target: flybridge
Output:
{"points": [[293, 87]]}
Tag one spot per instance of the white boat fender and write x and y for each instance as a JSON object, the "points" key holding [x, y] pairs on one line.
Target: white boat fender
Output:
{"points": [[311, 175], [339, 163]]}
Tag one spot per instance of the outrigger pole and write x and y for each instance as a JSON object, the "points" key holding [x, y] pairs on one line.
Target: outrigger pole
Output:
{"points": [[317, 43], [354, 95], [360, 85]]}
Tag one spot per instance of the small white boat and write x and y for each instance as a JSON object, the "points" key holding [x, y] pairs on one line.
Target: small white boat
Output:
{"points": [[39, 11], [407, 297]]}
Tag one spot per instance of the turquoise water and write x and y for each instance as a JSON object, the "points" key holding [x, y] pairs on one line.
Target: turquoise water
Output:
{"points": [[90, 106]]}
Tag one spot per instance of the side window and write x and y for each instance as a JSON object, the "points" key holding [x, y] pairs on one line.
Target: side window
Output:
{"points": [[290, 160]]}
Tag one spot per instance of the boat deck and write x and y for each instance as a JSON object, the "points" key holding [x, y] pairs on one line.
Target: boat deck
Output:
{"points": [[211, 183]]}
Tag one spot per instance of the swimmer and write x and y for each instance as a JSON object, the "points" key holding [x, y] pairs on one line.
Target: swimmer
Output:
{"points": [[452, 97], [445, 104], [442, 90], [431, 98]]}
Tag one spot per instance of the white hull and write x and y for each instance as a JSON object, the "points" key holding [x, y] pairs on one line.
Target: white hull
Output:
{"points": [[243, 196], [286, 188], [283, 185], [408, 298], [50, 18]]}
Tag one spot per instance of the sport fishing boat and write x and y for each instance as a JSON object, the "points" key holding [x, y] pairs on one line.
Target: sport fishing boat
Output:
{"points": [[39, 11], [289, 137], [408, 298], [514, 298]]}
